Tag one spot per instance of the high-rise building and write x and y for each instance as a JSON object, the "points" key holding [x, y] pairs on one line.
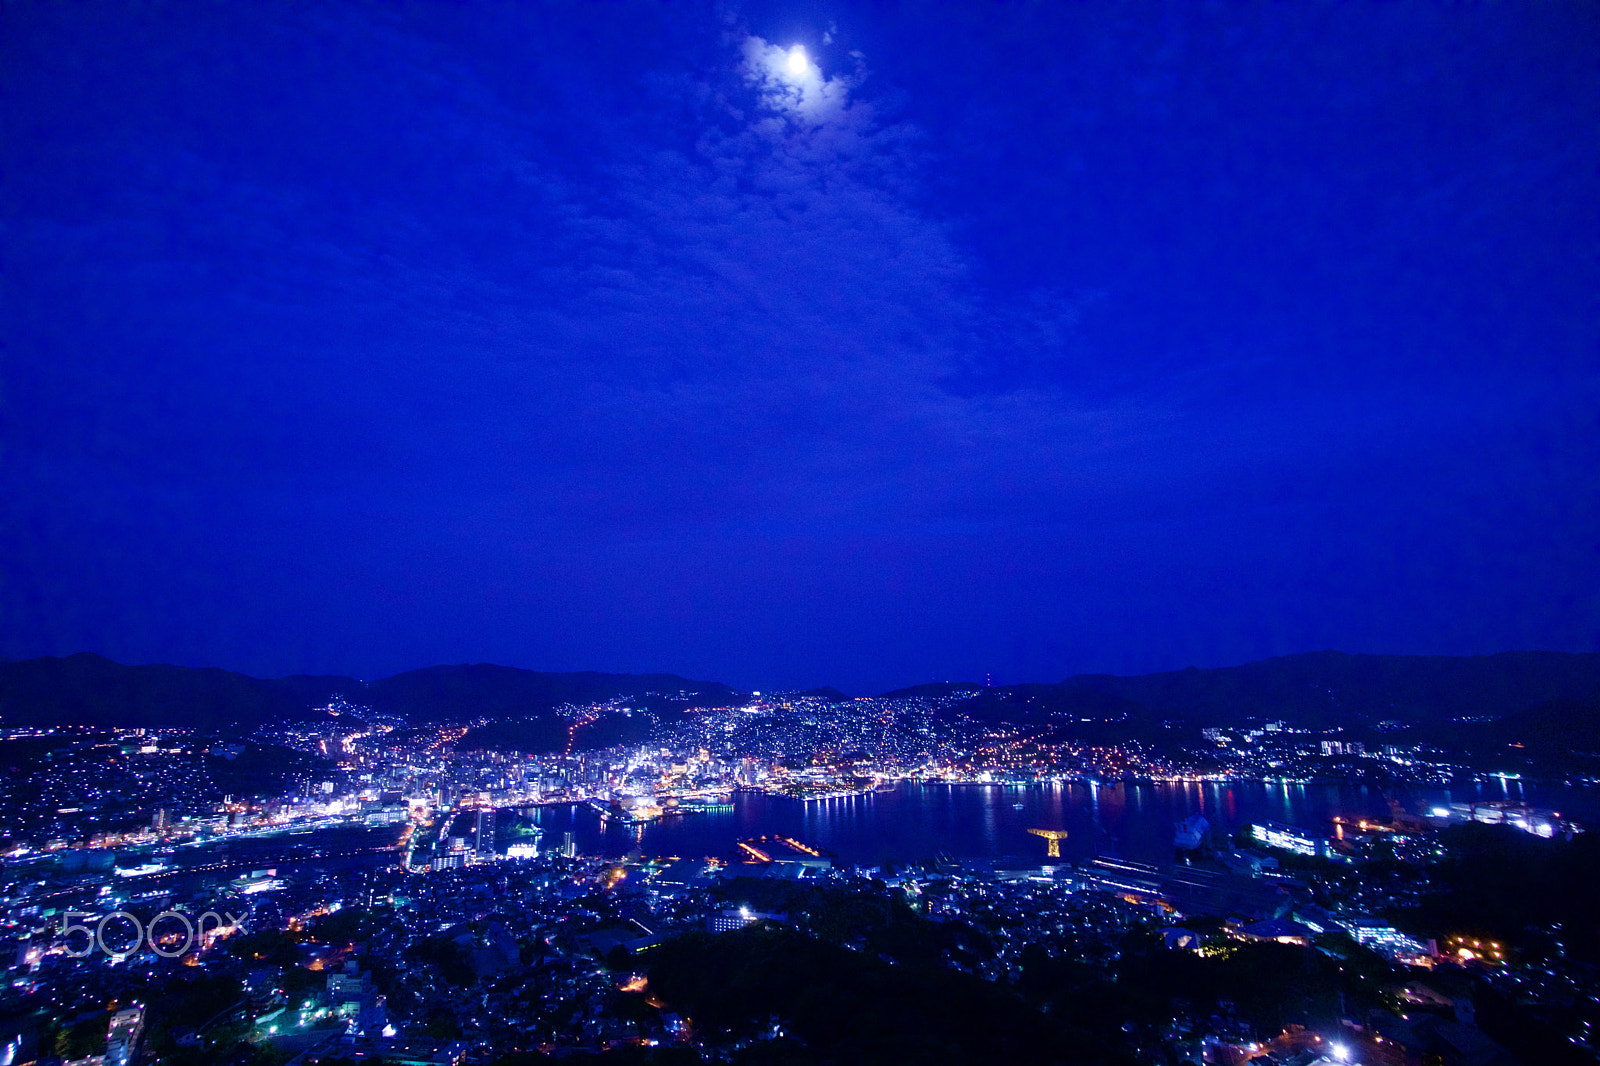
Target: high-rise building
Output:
{"points": [[483, 833]]}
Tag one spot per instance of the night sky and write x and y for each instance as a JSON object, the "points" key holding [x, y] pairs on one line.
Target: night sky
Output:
{"points": [[1011, 340]]}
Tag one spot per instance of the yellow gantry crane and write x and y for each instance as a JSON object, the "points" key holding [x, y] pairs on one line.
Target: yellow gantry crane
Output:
{"points": [[1054, 836]]}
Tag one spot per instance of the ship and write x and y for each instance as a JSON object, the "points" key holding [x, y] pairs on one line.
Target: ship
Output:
{"points": [[706, 805], [1190, 834]]}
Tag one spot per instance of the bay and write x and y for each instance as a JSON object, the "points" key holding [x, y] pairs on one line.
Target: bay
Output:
{"points": [[1122, 819]]}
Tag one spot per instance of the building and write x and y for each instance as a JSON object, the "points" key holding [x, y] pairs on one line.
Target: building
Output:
{"points": [[123, 1035], [1186, 889], [1388, 941], [1289, 838], [348, 984], [524, 850], [1280, 930], [685, 874], [738, 919], [483, 834]]}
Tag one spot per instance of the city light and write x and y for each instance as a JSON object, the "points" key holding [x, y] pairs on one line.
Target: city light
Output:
{"points": [[787, 772]]}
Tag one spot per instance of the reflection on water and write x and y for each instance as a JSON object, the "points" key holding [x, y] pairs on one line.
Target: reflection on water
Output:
{"points": [[1133, 821]]}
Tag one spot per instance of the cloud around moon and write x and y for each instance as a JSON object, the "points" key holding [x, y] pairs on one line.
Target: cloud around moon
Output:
{"points": [[801, 91]]}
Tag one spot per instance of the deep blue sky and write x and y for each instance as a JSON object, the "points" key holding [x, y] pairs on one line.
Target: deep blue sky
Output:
{"points": [[1023, 340]]}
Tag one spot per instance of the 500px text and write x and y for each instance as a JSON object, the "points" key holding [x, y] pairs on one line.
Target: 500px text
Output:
{"points": [[123, 925]]}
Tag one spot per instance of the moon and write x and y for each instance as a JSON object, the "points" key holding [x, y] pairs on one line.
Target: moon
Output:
{"points": [[797, 61]]}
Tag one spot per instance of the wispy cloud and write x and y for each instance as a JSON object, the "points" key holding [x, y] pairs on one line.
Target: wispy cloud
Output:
{"points": [[607, 282], [772, 306]]}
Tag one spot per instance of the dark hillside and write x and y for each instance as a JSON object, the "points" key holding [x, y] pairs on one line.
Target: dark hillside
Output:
{"points": [[87, 689], [1316, 690]]}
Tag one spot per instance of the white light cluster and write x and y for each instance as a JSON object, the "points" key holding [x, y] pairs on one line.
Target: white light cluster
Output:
{"points": [[1280, 838]]}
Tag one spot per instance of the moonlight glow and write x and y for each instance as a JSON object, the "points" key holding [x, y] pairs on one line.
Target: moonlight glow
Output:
{"points": [[797, 61]]}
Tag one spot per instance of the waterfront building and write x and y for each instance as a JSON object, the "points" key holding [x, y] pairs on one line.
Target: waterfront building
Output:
{"points": [[1289, 838]]}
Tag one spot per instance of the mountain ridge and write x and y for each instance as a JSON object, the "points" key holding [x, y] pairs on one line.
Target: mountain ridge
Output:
{"points": [[89, 689], [1327, 688], [1310, 689]]}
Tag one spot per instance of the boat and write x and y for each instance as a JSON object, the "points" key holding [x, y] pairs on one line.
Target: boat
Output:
{"points": [[1019, 806], [702, 806], [1190, 834]]}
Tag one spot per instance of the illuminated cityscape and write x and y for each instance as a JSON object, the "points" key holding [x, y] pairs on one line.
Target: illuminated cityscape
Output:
{"points": [[355, 886], [770, 533]]}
